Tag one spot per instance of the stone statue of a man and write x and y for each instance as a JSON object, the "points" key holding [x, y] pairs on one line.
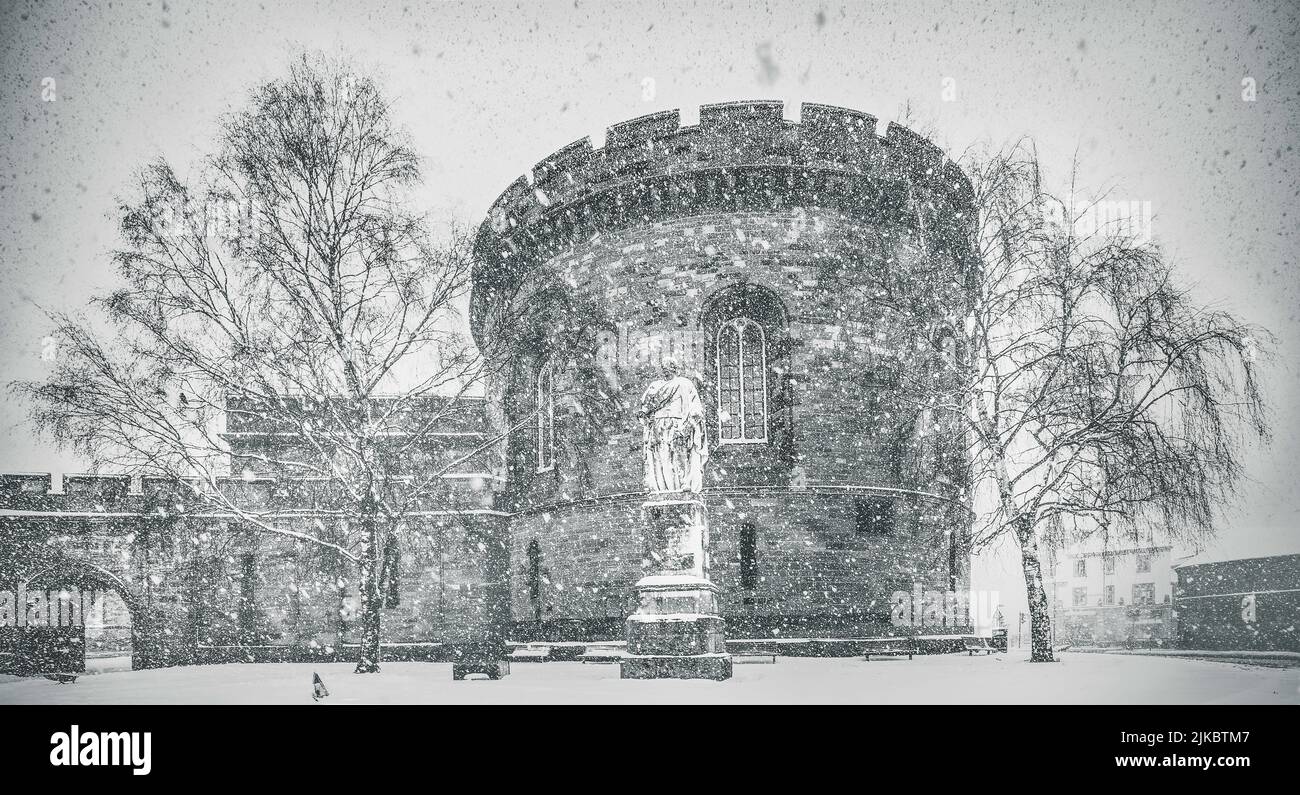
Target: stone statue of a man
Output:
{"points": [[674, 440]]}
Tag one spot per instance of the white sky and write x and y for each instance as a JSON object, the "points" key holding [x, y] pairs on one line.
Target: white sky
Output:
{"points": [[1148, 94]]}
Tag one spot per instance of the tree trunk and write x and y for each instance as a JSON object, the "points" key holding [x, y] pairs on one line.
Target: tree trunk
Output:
{"points": [[371, 599], [1040, 626]]}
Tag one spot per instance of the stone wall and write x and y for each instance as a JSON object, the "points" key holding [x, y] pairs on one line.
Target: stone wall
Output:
{"points": [[814, 571], [191, 576]]}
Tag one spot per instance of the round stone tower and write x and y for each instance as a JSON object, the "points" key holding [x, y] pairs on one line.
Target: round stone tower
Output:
{"points": [[778, 263]]}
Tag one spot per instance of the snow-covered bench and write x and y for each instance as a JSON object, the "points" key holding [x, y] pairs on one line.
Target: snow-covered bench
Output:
{"points": [[756, 655], [531, 654], [602, 654], [888, 647], [977, 643]]}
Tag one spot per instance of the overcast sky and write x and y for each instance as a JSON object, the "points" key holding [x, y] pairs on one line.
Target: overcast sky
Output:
{"points": [[1149, 96]]}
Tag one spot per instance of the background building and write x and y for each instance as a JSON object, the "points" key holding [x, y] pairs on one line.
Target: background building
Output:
{"points": [[1111, 592], [1251, 604]]}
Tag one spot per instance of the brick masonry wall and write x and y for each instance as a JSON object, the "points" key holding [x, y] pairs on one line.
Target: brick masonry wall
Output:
{"points": [[842, 431], [451, 586], [813, 570]]}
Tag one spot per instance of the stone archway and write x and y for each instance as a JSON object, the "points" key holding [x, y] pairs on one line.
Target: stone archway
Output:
{"points": [[58, 611], [106, 608], [57, 559], [116, 558]]}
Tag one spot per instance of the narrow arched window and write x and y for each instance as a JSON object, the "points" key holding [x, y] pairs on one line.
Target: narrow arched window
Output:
{"points": [[535, 578], [545, 419], [748, 555], [742, 382]]}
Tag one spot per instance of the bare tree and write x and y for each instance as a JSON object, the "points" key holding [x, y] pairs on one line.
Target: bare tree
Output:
{"points": [[287, 291], [1096, 395]]}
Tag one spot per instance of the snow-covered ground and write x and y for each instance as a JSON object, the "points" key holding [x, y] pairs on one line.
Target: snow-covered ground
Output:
{"points": [[1078, 678]]}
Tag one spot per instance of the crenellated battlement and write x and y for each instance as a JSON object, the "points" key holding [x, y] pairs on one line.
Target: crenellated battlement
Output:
{"points": [[728, 134], [740, 156]]}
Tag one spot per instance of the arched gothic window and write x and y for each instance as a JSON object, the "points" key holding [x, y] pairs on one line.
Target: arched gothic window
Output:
{"points": [[742, 382], [545, 419]]}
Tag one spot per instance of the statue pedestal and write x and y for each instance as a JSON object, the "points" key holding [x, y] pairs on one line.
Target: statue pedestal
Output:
{"points": [[676, 631]]}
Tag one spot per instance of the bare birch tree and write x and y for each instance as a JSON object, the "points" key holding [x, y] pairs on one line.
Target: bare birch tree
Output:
{"points": [[1085, 391], [1096, 395], [288, 290]]}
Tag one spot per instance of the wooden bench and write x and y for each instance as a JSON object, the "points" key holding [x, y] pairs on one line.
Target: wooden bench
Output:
{"points": [[888, 647], [975, 644], [756, 656]]}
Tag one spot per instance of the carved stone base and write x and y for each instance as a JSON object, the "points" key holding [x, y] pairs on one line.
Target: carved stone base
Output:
{"points": [[667, 666], [676, 535], [676, 632], [681, 635], [666, 595]]}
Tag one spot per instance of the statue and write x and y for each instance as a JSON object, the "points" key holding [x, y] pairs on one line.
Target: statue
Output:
{"points": [[674, 436], [676, 630]]}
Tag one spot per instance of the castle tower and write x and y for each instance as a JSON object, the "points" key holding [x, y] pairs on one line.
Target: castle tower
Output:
{"points": [[764, 255]]}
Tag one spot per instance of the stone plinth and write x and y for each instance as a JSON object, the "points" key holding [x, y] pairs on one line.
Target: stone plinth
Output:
{"points": [[700, 666], [676, 531], [676, 631]]}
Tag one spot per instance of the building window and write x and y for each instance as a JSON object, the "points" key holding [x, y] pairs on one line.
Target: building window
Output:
{"points": [[1108, 564], [742, 382], [1080, 597], [748, 556], [747, 359], [873, 517], [1144, 593], [1143, 564], [1110, 595], [545, 419], [1081, 568]]}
